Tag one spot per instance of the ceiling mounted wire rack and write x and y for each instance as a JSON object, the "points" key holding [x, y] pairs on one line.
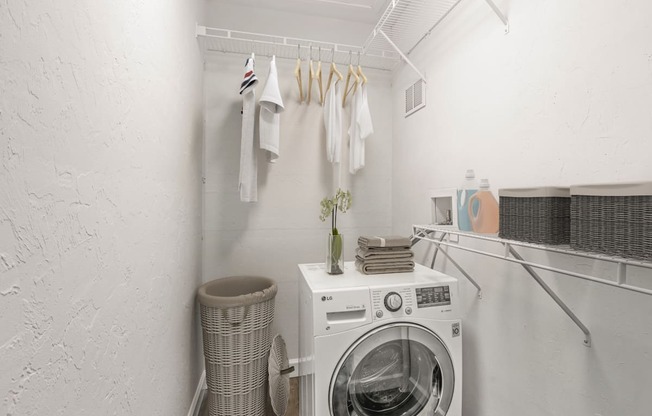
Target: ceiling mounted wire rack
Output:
{"points": [[245, 43], [400, 29]]}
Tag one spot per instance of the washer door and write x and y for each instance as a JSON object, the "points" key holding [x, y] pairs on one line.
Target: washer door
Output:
{"points": [[398, 369]]}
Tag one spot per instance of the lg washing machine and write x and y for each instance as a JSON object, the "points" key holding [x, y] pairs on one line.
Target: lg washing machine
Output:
{"points": [[373, 345]]}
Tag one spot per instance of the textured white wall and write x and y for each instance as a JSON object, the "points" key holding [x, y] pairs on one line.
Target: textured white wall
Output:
{"points": [[283, 229], [100, 202], [564, 98]]}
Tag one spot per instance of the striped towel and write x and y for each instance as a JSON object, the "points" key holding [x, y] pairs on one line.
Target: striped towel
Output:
{"points": [[386, 241], [250, 80]]}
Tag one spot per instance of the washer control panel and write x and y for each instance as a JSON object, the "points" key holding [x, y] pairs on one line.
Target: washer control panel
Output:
{"points": [[392, 302], [396, 302]]}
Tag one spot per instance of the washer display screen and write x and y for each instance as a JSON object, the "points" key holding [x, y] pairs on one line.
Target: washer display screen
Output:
{"points": [[433, 296]]}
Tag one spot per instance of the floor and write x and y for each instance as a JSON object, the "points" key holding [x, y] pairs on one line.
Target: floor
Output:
{"points": [[293, 403]]}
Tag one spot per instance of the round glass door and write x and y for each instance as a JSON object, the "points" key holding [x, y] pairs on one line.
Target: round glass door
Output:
{"points": [[395, 370]]}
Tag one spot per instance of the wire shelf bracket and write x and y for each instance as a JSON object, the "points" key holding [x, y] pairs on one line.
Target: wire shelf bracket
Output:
{"points": [[437, 235], [499, 13], [406, 23]]}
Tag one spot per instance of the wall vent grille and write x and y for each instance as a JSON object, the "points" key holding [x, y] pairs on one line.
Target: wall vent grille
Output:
{"points": [[415, 97]]}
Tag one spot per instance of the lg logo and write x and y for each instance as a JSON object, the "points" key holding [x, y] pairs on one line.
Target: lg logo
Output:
{"points": [[325, 298]]}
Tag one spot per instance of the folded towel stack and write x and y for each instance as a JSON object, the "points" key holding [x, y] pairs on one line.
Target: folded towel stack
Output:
{"points": [[377, 255]]}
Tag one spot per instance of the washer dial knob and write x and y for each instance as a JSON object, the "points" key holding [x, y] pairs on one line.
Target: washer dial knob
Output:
{"points": [[393, 301]]}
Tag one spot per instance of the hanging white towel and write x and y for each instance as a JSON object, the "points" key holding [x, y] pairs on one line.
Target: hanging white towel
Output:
{"points": [[271, 106], [248, 162], [333, 122], [361, 128]]}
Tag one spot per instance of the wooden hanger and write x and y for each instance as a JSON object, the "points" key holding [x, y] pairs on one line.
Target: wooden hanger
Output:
{"points": [[297, 73], [349, 75], [311, 76], [318, 78], [333, 71], [360, 73]]}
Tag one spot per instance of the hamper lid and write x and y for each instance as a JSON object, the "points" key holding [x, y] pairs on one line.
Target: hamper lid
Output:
{"points": [[279, 370], [614, 189], [235, 291], [537, 192]]}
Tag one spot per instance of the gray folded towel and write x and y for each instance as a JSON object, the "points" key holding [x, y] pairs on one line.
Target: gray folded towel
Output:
{"points": [[383, 241], [382, 268], [382, 253]]}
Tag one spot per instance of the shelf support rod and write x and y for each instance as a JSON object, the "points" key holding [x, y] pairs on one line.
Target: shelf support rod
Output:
{"points": [[500, 14], [434, 253], [405, 58], [458, 267], [553, 295], [453, 262]]}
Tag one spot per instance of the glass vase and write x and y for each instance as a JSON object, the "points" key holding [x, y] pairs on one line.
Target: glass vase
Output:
{"points": [[334, 259]]}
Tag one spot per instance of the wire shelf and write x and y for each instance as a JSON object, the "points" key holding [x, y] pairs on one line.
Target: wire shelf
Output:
{"points": [[408, 22], [437, 236], [423, 231], [400, 29], [244, 43]]}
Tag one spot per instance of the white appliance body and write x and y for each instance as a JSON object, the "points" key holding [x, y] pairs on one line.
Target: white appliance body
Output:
{"points": [[379, 344]]}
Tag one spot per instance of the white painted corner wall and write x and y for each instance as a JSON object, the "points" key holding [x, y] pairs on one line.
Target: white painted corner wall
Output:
{"points": [[100, 207], [564, 98]]}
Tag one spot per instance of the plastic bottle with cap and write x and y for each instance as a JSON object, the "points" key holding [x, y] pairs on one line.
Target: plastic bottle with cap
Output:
{"points": [[469, 187], [483, 210]]}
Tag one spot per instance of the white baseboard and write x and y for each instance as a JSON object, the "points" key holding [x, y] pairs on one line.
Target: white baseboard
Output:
{"points": [[199, 395]]}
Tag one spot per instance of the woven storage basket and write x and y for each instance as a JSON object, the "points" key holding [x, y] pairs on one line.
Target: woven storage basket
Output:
{"points": [[536, 215], [613, 219], [236, 315]]}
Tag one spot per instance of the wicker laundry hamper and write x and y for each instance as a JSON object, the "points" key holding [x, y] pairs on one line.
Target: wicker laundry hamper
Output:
{"points": [[236, 316]]}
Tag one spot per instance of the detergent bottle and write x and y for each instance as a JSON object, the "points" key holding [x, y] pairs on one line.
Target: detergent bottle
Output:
{"points": [[469, 187], [483, 210]]}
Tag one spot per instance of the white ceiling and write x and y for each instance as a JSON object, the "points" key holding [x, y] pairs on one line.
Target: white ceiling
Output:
{"points": [[364, 11]]}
